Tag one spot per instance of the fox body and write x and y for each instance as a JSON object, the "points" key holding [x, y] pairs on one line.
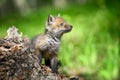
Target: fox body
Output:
{"points": [[47, 45]]}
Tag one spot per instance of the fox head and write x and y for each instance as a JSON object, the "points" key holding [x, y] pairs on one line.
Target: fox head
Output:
{"points": [[57, 26]]}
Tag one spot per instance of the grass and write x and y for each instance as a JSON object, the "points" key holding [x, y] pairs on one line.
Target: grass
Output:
{"points": [[89, 49]]}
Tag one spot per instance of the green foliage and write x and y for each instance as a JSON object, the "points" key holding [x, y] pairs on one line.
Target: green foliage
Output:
{"points": [[90, 48]]}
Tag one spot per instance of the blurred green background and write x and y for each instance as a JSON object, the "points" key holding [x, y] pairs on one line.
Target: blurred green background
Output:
{"points": [[90, 50]]}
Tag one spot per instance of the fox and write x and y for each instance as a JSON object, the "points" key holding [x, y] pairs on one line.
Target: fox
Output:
{"points": [[47, 44]]}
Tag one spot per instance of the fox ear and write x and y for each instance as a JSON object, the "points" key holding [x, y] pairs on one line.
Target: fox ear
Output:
{"points": [[51, 19], [59, 15]]}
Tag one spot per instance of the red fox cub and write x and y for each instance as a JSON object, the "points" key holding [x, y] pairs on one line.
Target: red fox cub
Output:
{"points": [[47, 45]]}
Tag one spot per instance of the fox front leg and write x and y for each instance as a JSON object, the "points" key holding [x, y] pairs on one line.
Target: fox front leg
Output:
{"points": [[54, 64], [39, 55]]}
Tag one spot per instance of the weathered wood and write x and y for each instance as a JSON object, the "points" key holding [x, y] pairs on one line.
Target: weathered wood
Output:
{"points": [[18, 62]]}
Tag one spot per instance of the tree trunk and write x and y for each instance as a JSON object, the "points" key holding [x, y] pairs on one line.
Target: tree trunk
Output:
{"points": [[60, 3], [22, 6]]}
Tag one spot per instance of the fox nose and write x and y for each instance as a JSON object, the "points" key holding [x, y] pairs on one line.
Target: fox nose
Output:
{"points": [[68, 28], [71, 26]]}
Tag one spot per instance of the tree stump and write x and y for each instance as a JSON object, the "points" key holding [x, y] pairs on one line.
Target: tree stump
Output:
{"points": [[18, 62]]}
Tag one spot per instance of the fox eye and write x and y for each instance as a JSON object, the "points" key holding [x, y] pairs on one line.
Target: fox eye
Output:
{"points": [[61, 24]]}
